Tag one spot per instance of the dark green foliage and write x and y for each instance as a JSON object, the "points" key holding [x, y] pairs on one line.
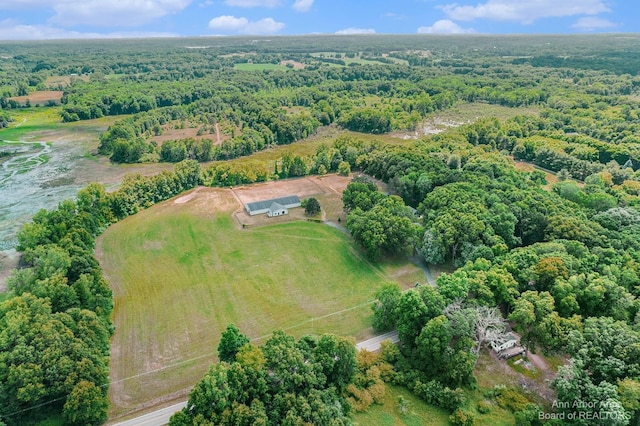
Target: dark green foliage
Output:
{"points": [[56, 325], [284, 382], [385, 315], [563, 264], [230, 343], [381, 224], [312, 206], [366, 120]]}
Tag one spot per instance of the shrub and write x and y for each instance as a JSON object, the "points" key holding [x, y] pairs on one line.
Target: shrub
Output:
{"points": [[344, 168], [462, 418], [484, 407]]}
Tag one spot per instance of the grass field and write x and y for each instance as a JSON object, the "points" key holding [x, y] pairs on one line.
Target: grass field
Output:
{"points": [[44, 123], [181, 271], [30, 120], [258, 67], [418, 412]]}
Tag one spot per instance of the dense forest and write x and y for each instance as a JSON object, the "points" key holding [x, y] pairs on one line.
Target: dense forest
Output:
{"points": [[559, 261]]}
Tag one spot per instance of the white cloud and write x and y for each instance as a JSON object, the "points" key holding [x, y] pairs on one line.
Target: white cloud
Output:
{"points": [[524, 11], [593, 23], [445, 26], [302, 5], [351, 31], [122, 13], [254, 3], [242, 25], [10, 30], [29, 4]]}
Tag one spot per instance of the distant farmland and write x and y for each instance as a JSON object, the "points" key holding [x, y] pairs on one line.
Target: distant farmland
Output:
{"points": [[184, 269], [258, 67]]}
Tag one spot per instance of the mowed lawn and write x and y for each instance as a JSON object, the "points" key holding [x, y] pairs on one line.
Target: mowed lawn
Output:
{"points": [[181, 272]]}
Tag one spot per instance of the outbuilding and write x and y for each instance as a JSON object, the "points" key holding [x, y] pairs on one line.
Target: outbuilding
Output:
{"points": [[506, 341], [273, 207]]}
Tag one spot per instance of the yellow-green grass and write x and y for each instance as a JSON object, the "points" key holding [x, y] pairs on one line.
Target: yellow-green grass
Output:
{"points": [[417, 413], [45, 123], [30, 120], [258, 67], [181, 272]]}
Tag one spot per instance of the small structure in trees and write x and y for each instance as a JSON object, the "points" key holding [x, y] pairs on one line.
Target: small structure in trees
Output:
{"points": [[504, 341], [273, 207]]}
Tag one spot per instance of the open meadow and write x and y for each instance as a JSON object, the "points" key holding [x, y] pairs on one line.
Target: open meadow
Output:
{"points": [[184, 269]]}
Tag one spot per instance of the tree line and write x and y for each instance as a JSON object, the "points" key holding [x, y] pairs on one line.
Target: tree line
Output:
{"points": [[55, 326]]}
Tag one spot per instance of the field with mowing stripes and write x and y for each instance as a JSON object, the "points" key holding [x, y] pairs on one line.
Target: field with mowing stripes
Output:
{"points": [[184, 269]]}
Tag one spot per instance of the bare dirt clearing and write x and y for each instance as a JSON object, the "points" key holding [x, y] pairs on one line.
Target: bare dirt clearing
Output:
{"points": [[296, 65], [41, 97], [169, 133], [303, 188], [327, 189]]}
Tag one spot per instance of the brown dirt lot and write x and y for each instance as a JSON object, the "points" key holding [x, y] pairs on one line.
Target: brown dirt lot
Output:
{"points": [[327, 189], [169, 133], [64, 80], [296, 65], [40, 97], [304, 187]]}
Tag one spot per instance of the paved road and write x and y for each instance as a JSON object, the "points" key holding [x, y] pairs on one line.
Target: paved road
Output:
{"points": [[156, 418], [161, 417], [373, 344]]}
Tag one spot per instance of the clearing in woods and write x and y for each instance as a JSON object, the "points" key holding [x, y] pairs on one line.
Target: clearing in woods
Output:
{"points": [[185, 268]]}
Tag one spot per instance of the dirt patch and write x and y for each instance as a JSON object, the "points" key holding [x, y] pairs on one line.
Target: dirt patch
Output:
{"points": [[210, 200], [496, 371], [171, 134], [302, 187], [64, 80], [296, 65], [522, 166], [184, 198], [40, 97]]}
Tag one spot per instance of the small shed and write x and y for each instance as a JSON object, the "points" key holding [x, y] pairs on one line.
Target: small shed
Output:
{"points": [[273, 207]]}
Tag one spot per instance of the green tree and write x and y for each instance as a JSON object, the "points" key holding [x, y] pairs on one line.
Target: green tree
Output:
{"points": [[529, 312], [385, 314], [312, 206], [412, 314], [86, 405], [230, 343]]}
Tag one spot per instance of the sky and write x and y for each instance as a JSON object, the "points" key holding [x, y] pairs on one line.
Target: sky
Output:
{"points": [[62, 19]]}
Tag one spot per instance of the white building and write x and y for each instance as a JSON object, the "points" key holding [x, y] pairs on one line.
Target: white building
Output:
{"points": [[273, 207]]}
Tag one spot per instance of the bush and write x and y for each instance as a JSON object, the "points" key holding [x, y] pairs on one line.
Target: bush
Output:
{"points": [[344, 168], [484, 407], [462, 418], [512, 399]]}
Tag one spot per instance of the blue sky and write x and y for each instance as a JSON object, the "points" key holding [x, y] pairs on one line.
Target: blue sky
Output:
{"points": [[54, 19]]}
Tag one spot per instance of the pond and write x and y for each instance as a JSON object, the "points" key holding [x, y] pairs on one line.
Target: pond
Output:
{"points": [[33, 176]]}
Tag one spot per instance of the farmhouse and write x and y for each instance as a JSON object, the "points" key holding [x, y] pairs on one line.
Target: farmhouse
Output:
{"points": [[273, 207]]}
